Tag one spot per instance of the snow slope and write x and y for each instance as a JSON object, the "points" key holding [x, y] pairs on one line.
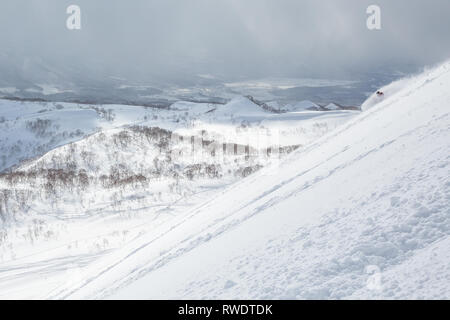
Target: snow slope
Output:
{"points": [[80, 181], [362, 212]]}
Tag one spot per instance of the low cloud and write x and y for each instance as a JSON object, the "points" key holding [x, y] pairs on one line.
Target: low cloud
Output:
{"points": [[233, 38]]}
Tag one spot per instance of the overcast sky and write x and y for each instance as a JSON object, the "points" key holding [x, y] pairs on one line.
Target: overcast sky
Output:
{"points": [[230, 37]]}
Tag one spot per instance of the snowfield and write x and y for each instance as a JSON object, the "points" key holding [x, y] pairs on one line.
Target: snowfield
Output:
{"points": [[79, 182], [362, 212], [114, 202]]}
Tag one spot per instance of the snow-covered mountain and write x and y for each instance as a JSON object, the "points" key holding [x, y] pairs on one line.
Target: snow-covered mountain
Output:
{"points": [[30, 129], [81, 181], [362, 212]]}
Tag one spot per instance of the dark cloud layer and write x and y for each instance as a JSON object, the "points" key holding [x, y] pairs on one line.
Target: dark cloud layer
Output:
{"points": [[228, 37]]}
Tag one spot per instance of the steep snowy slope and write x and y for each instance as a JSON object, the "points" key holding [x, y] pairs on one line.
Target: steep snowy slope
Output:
{"points": [[361, 213]]}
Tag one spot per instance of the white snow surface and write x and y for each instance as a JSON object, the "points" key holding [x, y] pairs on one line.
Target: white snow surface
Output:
{"points": [[363, 212], [86, 181]]}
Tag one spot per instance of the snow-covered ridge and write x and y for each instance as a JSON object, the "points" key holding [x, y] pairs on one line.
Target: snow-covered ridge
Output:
{"points": [[353, 215], [30, 129]]}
